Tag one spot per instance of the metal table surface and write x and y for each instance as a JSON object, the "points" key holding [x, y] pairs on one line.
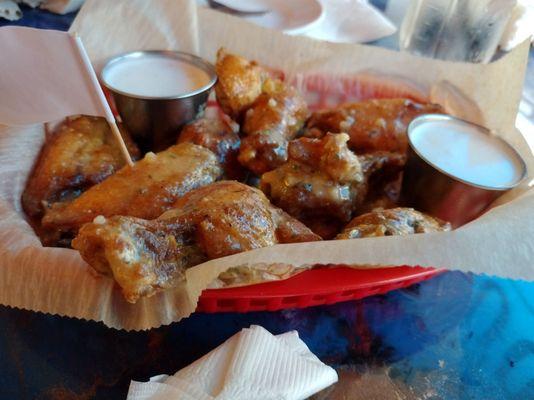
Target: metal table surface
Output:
{"points": [[457, 336]]}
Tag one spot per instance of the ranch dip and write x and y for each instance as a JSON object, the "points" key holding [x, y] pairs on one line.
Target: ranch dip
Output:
{"points": [[466, 152], [155, 75]]}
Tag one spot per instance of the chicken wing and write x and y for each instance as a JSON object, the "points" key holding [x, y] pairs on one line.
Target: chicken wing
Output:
{"points": [[213, 221], [79, 154], [395, 221], [239, 83], [145, 190], [324, 180], [220, 135], [372, 125], [269, 124], [271, 112]]}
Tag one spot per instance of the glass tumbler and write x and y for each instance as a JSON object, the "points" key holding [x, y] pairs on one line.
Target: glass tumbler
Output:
{"points": [[455, 30]]}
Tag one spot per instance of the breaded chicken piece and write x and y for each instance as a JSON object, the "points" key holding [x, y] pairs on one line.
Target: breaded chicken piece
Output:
{"points": [[373, 125], [79, 154], [144, 190], [271, 112], [213, 221], [324, 179], [269, 124], [239, 83], [220, 135], [395, 221]]}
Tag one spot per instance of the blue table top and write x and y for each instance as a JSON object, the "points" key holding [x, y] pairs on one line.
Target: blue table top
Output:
{"points": [[456, 336]]}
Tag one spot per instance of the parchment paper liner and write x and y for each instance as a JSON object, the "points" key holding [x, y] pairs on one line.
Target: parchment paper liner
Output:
{"points": [[57, 281]]}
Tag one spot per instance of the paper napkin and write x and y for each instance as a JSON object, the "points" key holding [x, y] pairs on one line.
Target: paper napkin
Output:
{"points": [[351, 21], [251, 365], [342, 21]]}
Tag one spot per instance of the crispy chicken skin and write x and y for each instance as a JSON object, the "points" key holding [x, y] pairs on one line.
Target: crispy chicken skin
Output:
{"points": [[269, 124], [213, 221], [142, 256], [373, 125], [79, 154], [395, 221], [145, 190], [323, 179], [239, 83], [220, 135]]}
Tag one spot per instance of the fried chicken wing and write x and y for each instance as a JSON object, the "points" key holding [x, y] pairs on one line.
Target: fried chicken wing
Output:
{"points": [[220, 135], [144, 190], [269, 124], [79, 154], [213, 221], [395, 221], [380, 200], [321, 178], [271, 112], [383, 168], [373, 125], [239, 83], [324, 180]]}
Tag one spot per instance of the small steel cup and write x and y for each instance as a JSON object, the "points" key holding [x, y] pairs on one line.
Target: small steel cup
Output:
{"points": [[429, 189], [155, 122]]}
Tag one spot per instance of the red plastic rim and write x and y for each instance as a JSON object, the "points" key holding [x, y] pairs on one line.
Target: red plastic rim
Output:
{"points": [[313, 287]]}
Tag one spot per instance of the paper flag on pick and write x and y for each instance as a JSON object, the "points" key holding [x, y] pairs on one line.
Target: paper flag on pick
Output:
{"points": [[43, 78]]}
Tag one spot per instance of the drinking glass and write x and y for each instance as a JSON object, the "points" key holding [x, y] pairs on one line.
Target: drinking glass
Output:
{"points": [[456, 30]]}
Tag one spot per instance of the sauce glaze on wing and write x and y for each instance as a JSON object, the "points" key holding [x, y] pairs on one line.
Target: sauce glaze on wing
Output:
{"points": [[79, 154], [144, 190], [373, 125], [322, 178], [275, 118], [270, 111], [220, 135], [239, 83], [325, 181]]}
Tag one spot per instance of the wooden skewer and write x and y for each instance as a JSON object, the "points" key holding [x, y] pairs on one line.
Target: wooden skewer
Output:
{"points": [[120, 141], [101, 98]]}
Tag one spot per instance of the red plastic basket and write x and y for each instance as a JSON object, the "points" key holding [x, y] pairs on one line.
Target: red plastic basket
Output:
{"points": [[312, 288]]}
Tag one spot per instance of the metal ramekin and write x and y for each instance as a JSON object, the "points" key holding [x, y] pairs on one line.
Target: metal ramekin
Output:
{"points": [[428, 188], [155, 122]]}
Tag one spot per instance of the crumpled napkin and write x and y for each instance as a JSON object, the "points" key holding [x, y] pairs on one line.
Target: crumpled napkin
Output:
{"points": [[351, 21], [251, 365], [346, 21]]}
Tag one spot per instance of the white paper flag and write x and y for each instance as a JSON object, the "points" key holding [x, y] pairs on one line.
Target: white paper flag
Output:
{"points": [[43, 78]]}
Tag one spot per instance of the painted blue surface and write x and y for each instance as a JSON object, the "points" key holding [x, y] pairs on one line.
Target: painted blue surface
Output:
{"points": [[456, 336], [42, 19]]}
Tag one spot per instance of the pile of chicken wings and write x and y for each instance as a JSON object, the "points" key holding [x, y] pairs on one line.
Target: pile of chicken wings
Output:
{"points": [[265, 170]]}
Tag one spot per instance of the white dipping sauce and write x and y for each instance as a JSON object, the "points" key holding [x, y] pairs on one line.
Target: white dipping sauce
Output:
{"points": [[465, 152], [155, 75]]}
